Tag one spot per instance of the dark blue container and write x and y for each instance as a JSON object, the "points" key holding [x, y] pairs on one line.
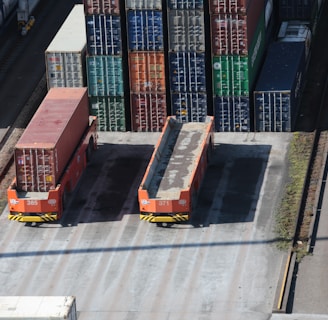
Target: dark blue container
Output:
{"points": [[278, 91], [296, 9], [185, 4], [187, 72], [231, 114], [103, 34], [189, 107], [145, 30]]}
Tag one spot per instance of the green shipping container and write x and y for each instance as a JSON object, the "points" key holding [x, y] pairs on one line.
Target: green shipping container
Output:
{"points": [[110, 112], [230, 75], [234, 75], [105, 76]]}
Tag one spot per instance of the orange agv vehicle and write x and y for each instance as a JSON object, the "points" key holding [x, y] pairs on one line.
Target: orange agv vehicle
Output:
{"points": [[51, 156], [168, 191]]}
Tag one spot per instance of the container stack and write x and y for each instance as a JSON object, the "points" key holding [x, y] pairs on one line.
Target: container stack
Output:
{"points": [[186, 55], [279, 88], [65, 55], [146, 65], [105, 64], [238, 43]]}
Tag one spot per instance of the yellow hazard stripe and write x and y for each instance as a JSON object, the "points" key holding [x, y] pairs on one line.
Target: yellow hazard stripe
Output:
{"points": [[46, 217], [165, 218]]}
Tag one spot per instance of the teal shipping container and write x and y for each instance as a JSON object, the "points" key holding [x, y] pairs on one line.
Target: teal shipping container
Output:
{"points": [[110, 112], [234, 75], [105, 76]]}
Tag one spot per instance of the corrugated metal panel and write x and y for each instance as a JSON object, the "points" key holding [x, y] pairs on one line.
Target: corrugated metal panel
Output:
{"points": [[65, 69], [145, 30], [147, 72], [235, 74], [148, 112], [143, 4], [44, 149], [273, 111], [101, 6], [187, 72], [229, 34], [231, 114], [186, 30], [279, 86], [189, 107], [229, 6], [103, 34], [110, 112], [230, 75], [233, 33], [185, 4], [105, 76]]}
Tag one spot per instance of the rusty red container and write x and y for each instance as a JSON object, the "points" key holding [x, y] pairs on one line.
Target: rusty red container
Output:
{"points": [[48, 142], [232, 33], [148, 112], [229, 6], [101, 6]]}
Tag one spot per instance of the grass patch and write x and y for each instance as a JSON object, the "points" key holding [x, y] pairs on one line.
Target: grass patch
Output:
{"points": [[298, 157]]}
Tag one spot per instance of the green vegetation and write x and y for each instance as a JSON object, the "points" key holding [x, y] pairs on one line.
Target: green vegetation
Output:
{"points": [[298, 157]]}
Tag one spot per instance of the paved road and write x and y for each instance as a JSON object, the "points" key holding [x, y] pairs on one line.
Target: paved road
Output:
{"points": [[122, 268]]}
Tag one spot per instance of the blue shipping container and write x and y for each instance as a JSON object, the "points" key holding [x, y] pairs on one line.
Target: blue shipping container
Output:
{"points": [[105, 76], [185, 4], [279, 87], [145, 30], [103, 34], [231, 114], [187, 72], [189, 107], [296, 9]]}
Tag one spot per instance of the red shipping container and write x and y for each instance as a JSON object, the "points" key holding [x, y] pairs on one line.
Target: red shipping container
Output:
{"points": [[148, 112], [48, 142], [229, 6], [147, 72], [232, 33], [101, 7]]}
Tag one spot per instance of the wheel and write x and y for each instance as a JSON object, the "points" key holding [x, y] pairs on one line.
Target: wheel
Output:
{"points": [[164, 224]]}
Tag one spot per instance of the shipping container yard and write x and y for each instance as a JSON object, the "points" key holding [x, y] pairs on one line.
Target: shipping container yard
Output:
{"points": [[146, 153]]}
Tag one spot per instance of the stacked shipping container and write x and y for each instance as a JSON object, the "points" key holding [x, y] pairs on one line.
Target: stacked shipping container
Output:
{"points": [[187, 56], [104, 63], [65, 55], [279, 87], [238, 42], [146, 64]]}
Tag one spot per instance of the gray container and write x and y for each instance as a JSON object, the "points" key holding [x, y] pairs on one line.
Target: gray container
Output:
{"points": [[66, 54], [186, 30]]}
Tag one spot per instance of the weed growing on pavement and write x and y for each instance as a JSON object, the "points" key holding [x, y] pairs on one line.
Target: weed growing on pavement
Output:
{"points": [[298, 157]]}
